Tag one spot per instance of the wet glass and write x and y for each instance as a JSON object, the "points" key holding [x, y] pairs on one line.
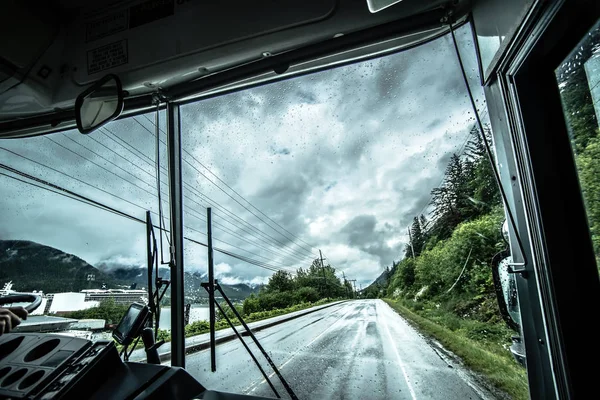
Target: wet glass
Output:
{"points": [[312, 184], [578, 79], [73, 222]]}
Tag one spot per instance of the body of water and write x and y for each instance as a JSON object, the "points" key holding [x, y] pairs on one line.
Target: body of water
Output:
{"points": [[198, 312]]}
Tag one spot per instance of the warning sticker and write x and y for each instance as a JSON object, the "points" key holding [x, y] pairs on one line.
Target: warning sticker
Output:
{"points": [[107, 57], [106, 26]]}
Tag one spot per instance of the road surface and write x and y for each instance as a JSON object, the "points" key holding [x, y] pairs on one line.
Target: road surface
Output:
{"points": [[360, 349]]}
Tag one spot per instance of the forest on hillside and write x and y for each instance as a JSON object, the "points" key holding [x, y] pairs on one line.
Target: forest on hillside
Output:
{"points": [[447, 261]]}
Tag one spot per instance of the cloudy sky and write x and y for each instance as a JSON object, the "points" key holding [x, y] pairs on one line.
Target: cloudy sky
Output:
{"points": [[339, 161]]}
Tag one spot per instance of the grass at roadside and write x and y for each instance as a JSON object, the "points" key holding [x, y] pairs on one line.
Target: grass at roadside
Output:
{"points": [[490, 360]]}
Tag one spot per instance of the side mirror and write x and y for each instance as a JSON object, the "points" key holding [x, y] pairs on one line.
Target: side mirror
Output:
{"points": [[506, 289], [100, 103]]}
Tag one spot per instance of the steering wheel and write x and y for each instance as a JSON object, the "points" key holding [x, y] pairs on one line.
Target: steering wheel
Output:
{"points": [[33, 300]]}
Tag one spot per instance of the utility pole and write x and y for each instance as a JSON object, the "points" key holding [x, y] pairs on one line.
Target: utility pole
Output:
{"points": [[353, 284], [345, 281], [323, 270], [412, 249]]}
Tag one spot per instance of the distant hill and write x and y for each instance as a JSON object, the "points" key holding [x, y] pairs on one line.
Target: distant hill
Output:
{"points": [[193, 291], [33, 266], [381, 281]]}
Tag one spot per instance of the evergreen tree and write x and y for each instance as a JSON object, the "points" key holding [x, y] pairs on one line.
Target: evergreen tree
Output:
{"points": [[417, 237], [482, 186], [281, 281], [451, 200]]}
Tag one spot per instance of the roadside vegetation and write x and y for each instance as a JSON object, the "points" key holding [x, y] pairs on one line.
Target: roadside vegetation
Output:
{"points": [[283, 294], [112, 313], [310, 285], [582, 121], [108, 310]]}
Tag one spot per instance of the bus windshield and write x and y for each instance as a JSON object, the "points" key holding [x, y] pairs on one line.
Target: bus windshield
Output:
{"points": [[353, 217]]}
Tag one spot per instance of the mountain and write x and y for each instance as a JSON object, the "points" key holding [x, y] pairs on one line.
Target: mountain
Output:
{"points": [[193, 290], [381, 281], [33, 266]]}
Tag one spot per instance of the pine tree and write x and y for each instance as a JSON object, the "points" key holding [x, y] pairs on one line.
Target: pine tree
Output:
{"points": [[451, 200], [417, 238]]}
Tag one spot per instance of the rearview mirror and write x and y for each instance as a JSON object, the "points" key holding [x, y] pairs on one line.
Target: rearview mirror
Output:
{"points": [[100, 103], [506, 289]]}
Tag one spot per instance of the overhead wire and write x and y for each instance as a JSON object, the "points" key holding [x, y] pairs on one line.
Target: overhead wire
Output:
{"points": [[100, 166], [66, 193], [56, 189], [290, 251], [202, 218], [161, 217], [72, 177], [233, 198], [197, 170], [96, 154]]}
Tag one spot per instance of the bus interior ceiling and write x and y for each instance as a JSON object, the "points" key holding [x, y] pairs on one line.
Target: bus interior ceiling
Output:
{"points": [[61, 47]]}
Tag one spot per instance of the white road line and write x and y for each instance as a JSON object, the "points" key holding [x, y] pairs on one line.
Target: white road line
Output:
{"points": [[254, 386], [400, 362]]}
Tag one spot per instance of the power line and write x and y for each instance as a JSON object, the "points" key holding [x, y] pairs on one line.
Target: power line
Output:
{"points": [[203, 219], [152, 194], [45, 185], [100, 156], [292, 252], [72, 177], [250, 211], [100, 166], [66, 193], [243, 229], [119, 155], [234, 199]]}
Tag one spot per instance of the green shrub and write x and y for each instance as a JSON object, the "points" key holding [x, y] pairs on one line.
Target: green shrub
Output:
{"points": [[107, 310], [251, 305], [306, 295]]}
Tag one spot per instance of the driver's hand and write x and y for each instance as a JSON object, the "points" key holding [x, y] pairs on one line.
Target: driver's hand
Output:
{"points": [[11, 317]]}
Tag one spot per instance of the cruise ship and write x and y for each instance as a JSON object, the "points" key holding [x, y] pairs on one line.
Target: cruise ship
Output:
{"points": [[46, 318]]}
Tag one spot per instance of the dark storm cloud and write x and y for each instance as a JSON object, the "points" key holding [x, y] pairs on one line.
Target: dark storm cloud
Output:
{"points": [[362, 233], [437, 122], [360, 230], [282, 151]]}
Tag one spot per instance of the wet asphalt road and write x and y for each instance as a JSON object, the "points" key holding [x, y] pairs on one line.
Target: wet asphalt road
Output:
{"points": [[359, 349]]}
